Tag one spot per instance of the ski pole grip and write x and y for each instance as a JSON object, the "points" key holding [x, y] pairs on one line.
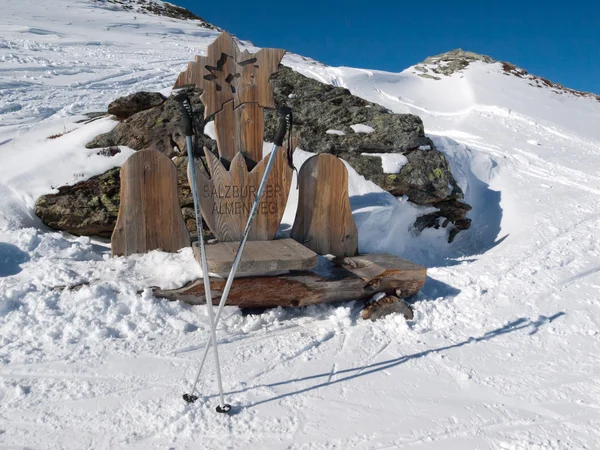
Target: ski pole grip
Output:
{"points": [[186, 110], [285, 121]]}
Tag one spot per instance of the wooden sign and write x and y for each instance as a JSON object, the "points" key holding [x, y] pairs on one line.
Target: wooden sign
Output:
{"points": [[324, 220], [226, 199], [227, 74], [149, 214]]}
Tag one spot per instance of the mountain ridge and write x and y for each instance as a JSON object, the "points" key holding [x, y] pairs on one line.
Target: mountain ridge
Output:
{"points": [[442, 64]]}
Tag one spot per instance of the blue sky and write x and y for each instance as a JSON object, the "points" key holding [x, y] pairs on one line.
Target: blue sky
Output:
{"points": [[556, 40]]}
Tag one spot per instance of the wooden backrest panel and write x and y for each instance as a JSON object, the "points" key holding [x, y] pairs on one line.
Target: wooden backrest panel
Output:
{"points": [[324, 220], [149, 213], [226, 199]]}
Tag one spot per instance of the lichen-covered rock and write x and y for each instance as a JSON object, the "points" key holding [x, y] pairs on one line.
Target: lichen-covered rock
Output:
{"points": [[124, 107], [425, 180], [157, 128], [87, 208], [318, 108]]}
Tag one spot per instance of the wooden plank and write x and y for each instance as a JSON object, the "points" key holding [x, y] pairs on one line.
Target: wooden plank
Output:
{"points": [[300, 288], [372, 268], [240, 130], [250, 125], [324, 220], [258, 256], [227, 74], [225, 132], [149, 213], [226, 199]]}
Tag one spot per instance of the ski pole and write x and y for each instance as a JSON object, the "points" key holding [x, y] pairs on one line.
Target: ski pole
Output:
{"points": [[188, 130], [285, 123]]}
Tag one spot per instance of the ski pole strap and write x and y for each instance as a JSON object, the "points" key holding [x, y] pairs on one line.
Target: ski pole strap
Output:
{"points": [[189, 124], [186, 112], [285, 125]]}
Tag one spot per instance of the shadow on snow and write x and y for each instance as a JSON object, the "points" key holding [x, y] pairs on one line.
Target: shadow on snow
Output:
{"points": [[362, 371]]}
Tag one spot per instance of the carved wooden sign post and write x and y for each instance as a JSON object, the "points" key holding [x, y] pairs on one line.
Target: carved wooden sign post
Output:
{"points": [[236, 88]]}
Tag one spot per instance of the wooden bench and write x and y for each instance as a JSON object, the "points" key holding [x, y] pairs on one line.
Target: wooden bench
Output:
{"points": [[283, 272]]}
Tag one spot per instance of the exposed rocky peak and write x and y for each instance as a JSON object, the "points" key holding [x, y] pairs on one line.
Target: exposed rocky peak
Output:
{"points": [[448, 63], [157, 8]]}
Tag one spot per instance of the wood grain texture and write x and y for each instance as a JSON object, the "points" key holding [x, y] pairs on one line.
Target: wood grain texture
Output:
{"points": [[373, 267], [240, 130], [226, 199], [149, 213], [227, 74], [324, 220], [258, 256], [300, 288]]}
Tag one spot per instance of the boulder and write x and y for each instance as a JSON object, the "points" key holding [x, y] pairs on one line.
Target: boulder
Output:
{"points": [[157, 128], [319, 108], [385, 306], [88, 208], [125, 107]]}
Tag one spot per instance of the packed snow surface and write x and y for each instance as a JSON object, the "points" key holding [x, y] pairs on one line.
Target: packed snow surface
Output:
{"points": [[503, 350]]}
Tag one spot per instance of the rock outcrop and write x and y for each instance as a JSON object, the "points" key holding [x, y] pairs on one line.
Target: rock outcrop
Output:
{"points": [[88, 208], [163, 9], [448, 63], [125, 107], [325, 118]]}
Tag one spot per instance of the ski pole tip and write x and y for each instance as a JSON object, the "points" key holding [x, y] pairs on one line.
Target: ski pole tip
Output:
{"points": [[223, 408], [189, 398]]}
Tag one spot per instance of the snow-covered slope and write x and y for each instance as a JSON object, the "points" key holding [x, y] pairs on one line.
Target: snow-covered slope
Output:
{"points": [[503, 349]]}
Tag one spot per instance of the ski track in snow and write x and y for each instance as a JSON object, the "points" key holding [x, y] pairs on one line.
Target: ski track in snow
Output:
{"points": [[503, 351]]}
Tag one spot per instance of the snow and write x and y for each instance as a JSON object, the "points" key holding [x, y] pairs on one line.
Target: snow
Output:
{"points": [[502, 352], [362, 128], [336, 132], [390, 162]]}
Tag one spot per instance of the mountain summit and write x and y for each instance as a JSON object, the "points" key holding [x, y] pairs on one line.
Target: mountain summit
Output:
{"points": [[449, 63]]}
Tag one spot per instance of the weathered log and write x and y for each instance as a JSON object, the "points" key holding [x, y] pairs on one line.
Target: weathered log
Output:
{"points": [[324, 284]]}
